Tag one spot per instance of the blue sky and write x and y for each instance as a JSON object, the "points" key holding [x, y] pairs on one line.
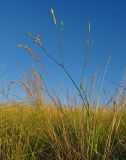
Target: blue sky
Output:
{"points": [[108, 29]]}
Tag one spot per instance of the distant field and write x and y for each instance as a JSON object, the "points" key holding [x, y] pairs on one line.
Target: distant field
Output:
{"points": [[45, 133]]}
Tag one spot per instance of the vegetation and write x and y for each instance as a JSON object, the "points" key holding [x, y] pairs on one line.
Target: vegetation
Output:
{"points": [[39, 130], [45, 133]]}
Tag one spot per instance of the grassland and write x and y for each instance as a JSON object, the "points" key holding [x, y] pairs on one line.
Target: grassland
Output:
{"points": [[44, 133]]}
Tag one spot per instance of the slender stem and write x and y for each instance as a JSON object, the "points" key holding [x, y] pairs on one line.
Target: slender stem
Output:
{"points": [[48, 93], [68, 74]]}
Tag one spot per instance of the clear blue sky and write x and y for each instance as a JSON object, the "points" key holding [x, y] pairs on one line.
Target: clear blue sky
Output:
{"points": [[108, 28]]}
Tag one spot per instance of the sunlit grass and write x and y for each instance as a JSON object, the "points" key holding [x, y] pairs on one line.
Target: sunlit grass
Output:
{"points": [[50, 130], [45, 133]]}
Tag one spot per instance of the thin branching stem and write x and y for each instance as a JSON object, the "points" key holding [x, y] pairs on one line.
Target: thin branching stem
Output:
{"points": [[67, 73]]}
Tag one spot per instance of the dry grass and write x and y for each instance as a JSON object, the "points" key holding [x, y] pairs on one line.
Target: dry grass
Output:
{"points": [[50, 132], [44, 133]]}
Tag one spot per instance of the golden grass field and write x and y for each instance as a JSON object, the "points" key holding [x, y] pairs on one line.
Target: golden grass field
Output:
{"points": [[45, 133], [38, 130]]}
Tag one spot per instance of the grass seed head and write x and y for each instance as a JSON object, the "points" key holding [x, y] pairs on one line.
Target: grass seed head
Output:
{"points": [[54, 18]]}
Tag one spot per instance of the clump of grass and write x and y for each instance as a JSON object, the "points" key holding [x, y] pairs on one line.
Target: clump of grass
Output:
{"points": [[45, 133], [40, 131]]}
